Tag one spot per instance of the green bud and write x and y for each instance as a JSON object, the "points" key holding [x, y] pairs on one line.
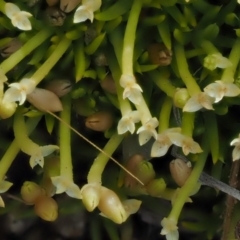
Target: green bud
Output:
{"points": [[156, 187], [180, 97], [7, 109]]}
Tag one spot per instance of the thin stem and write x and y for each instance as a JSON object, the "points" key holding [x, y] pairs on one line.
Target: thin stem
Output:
{"points": [[13, 149], [208, 47], [186, 76], [95, 173], [165, 114], [65, 140], [51, 61], [187, 123], [26, 49]]}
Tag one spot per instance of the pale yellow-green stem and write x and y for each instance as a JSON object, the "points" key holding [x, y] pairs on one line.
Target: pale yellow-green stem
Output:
{"points": [[26, 49], [45, 68], [165, 114], [95, 173], [65, 140], [13, 149], [208, 47], [187, 123]]}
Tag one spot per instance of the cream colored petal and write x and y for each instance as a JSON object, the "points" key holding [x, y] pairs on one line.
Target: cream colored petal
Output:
{"points": [[235, 142], [127, 81], [206, 101], [231, 90], [73, 191], [173, 235], [144, 137], [135, 116], [36, 160], [60, 183], [11, 9], [160, 148], [82, 14], [124, 125], [4, 186], [21, 22], [221, 61], [192, 105], [176, 138], [12, 95], [133, 94], [236, 153], [190, 146], [48, 149], [28, 85], [215, 90]]}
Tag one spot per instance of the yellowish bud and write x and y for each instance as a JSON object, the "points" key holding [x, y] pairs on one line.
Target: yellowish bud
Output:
{"points": [[100, 121], [46, 208], [111, 207], [159, 54], [30, 192], [108, 84], [7, 109], [45, 100], [180, 171], [156, 187], [60, 87], [180, 97]]}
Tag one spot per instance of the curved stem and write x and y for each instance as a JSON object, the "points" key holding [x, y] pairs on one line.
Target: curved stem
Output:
{"points": [[187, 123], [165, 114]]}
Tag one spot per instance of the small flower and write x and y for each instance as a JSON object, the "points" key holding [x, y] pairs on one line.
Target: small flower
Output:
{"points": [[127, 122], [236, 151], [19, 18], [187, 143], [198, 101], [132, 90], [4, 186], [64, 184], [170, 229], [86, 10], [19, 91], [215, 60], [147, 131], [162, 143], [39, 153], [219, 89]]}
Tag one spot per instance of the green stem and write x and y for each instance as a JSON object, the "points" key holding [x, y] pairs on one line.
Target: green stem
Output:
{"points": [[26, 49], [186, 76], [208, 47], [13, 149], [65, 140], [187, 123], [95, 173], [165, 114], [234, 57], [191, 182], [129, 38], [51, 61]]}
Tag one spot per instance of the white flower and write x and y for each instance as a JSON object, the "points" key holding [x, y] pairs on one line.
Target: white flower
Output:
{"points": [[127, 122], [163, 143], [215, 60], [19, 18], [4, 186], [198, 101], [40, 152], [170, 229], [86, 10], [65, 184], [147, 131], [219, 89], [19, 91], [132, 90], [236, 151], [187, 143]]}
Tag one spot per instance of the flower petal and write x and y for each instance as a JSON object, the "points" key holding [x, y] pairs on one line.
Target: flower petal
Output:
{"points": [[222, 62], [236, 153], [192, 105], [160, 148], [82, 14], [73, 191], [4, 186], [48, 149], [11, 9], [214, 90], [232, 90], [60, 183], [144, 137], [125, 125]]}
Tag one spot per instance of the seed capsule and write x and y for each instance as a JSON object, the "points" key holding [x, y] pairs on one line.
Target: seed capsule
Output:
{"points": [[60, 87], [180, 97], [180, 171]]}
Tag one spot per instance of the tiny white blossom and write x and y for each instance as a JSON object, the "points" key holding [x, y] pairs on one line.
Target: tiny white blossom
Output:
{"points": [[216, 60], [64, 184], [19, 91], [147, 131], [132, 90], [19, 18], [86, 10], [236, 151], [219, 89], [162, 143], [198, 101], [37, 157], [170, 229], [127, 122]]}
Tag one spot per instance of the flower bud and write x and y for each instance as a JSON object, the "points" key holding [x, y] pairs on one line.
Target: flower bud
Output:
{"points": [[10, 47], [46, 208], [52, 2], [108, 84], [54, 16], [145, 172], [111, 206], [60, 87], [7, 109], [31, 191], [159, 54], [180, 97], [90, 195], [45, 100], [100, 121], [156, 187], [68, 5], [180, 171]]}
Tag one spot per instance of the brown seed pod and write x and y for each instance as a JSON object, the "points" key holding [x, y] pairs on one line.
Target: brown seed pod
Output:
{"points": [[108, 84], [60, 87], [100, 121], [180, 171], [159, 54]]}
